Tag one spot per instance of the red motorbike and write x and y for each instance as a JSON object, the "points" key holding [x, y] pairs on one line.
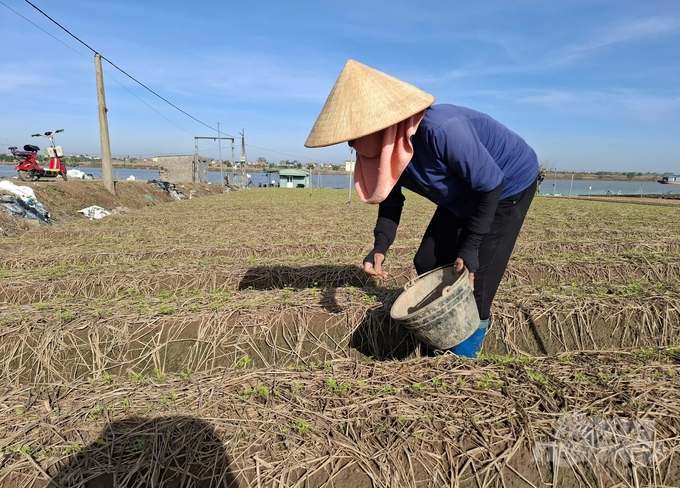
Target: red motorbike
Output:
{"points": [[27, 165]]}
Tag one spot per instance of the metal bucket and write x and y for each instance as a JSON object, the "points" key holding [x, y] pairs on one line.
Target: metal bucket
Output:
{"points": [[438, 307]]}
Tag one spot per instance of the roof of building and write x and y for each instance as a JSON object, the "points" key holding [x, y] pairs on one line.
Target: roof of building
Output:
{"points": [[292, 172]]}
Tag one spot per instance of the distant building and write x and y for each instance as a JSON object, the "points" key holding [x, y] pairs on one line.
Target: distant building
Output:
{"points": [[349, 166], [670, 180], [293, 178], [182, 169]]}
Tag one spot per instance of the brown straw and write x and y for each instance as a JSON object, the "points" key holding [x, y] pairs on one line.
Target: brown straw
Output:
{"points": [[362, 101]]}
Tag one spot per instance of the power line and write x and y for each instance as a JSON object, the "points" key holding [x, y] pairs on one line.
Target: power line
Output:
{"points": [[139, 82], [36, 25], [291, 155], [112, 77], [120, 69], [131, 93], [81, 54]]}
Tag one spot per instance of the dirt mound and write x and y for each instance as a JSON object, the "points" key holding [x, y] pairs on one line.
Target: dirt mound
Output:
{"points": [[63, 199]]}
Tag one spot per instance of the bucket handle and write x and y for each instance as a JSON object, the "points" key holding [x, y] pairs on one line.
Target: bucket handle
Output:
{"points": [[446, 290]]}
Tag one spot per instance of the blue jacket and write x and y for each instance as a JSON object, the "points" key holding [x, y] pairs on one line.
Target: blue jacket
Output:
{"points": [[466, 162], [459, 153]]}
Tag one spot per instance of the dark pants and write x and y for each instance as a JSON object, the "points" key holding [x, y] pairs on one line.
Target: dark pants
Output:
{"points": [[444, 234]]}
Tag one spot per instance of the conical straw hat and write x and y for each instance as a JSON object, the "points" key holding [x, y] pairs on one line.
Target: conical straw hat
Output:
{"points": [[363, 101]]}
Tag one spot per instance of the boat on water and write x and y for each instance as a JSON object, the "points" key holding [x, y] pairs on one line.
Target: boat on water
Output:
{"points": [[670, 180]]}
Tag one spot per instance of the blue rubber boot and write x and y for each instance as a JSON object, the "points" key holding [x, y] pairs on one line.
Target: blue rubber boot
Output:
{"points": [[472, 346]]}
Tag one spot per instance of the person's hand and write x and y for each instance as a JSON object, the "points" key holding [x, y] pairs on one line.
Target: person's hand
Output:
{"points": [[459, 269], [375, 270]]}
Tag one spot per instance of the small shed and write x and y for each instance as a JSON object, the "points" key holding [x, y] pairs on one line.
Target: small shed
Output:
{"points": [[182, 169], [671, 180], [293, 178]]}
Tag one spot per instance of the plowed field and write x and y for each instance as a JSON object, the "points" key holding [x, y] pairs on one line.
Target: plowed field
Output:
{"points": [[233, 340]]}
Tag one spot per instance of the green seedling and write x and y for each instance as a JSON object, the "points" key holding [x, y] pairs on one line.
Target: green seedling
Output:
{"points": [[418, 387], [261, 392], [138, 378], [166, 308], [95, 412], [65, 316], [489, 381], [336, 388], [386, 389], [185, 374], [243, 363], [537, 377], [603, 376], [300, 426], [158, 374]]}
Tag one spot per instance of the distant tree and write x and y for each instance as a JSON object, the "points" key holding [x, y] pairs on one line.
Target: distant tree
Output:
{"points": [[335, 167], [310, 166], [262, 160], [541, 176], [630, 175]]}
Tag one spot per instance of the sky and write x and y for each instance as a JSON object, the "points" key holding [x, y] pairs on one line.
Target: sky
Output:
{"points": [[591, 85]]}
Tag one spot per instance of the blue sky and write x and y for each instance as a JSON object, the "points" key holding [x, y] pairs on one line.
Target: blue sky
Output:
{"points": [[592, 85]]}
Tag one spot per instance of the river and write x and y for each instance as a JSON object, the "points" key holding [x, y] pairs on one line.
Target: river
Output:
{"points": [[550, 186]]}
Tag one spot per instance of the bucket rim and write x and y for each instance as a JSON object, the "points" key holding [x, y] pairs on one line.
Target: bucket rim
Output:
{"points": [[463, 274], [413, 281]]}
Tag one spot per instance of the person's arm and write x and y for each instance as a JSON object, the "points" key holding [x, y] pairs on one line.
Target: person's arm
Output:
{"points": [[385, 231], [478, 225]]}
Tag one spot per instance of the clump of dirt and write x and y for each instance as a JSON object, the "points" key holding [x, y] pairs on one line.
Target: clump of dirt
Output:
{"points": [[63, 199]]}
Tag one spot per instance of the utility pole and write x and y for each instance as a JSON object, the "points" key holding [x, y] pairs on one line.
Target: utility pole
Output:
{"points": [[195, 173], [219, 145], [244, 183], [107, 169], [233, 161], [218, 138], [351, 172]]}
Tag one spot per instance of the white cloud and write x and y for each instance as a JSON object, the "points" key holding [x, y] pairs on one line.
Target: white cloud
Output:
{"points": [[525, 57], [12, 78], [233, 78], [623, 32], [595, 104]]}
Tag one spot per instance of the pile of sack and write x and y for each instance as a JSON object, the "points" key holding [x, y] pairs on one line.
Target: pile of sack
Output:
{"points": [[20, 201]]}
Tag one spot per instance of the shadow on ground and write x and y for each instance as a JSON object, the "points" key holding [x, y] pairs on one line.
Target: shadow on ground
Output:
{"points": [[326, 278], [381, 338], [170, 452], [377, 335]]}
